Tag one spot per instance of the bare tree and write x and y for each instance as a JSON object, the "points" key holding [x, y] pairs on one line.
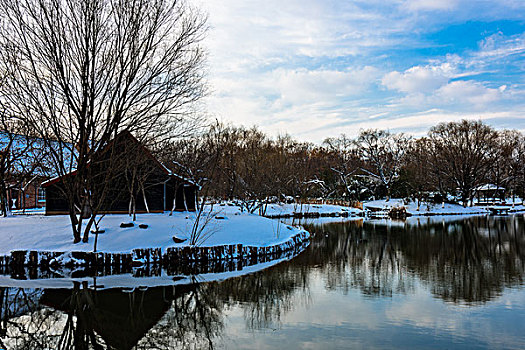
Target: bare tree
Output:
{"points": [[463, 153], [196, 161], [303, 176], [79, 72], [347, 165], [383, 152], [504, 168], [418, 170], [517, 171]]}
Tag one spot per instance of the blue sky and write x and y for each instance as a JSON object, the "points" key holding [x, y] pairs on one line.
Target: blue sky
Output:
{"points": [[316, 69]]}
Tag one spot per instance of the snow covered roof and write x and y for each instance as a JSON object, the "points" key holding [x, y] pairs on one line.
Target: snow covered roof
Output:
{"points": [[489, 187], [32, 153], [185, 179]]}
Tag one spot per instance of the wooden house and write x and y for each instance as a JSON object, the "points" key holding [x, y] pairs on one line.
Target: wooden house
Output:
{"points": [[129, 175]]}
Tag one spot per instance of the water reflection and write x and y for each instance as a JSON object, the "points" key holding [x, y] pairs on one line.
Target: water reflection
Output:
{"points": [[81, 318], [471, 260], [467, 261]]}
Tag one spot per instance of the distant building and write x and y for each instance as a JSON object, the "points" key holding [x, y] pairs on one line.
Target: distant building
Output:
{"points": [[160, 188], [23, 170], [489, 194], [28, 196]]}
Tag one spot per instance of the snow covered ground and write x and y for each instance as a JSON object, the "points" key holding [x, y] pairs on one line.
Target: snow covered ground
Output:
{"points": [[516, 208], [281, 209], [425, 208], [227, 226]]}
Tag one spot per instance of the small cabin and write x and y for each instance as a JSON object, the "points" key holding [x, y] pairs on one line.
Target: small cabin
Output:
{"points": [[159, 190]]}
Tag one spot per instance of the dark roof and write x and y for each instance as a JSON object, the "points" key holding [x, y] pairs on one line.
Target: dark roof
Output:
{"points": [[124, 134]]}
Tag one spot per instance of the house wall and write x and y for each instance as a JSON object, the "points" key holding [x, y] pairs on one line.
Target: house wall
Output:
{"points": [[117, 200], [27, 199], [55, 201]]}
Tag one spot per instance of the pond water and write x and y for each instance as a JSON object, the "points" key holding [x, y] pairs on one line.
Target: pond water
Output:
{"points": [[424, 283]]}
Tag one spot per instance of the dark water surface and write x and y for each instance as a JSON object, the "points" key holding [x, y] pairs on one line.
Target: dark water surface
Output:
{"points": [[445, 283]]}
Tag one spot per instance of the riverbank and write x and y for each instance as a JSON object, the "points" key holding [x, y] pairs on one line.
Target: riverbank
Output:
{"points": [[225, 233], [284, 210], [382, 207], [378, 208]]}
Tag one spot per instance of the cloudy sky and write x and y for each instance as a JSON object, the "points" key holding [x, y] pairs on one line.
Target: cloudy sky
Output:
{"points": [[316, 69]]}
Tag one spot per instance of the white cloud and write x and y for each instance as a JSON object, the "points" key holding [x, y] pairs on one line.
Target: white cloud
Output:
{"points": [[442, 84], [292, 100], [419, 123], [470, 92], [250, 35], [304, 86], [498, 46], [419, 79], [430, 5]]}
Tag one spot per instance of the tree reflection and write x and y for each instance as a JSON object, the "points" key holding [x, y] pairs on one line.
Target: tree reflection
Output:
{"points": [[24, 323], [81, 306], [356, 255], [264, 296], [194, 320], [470, 260]]}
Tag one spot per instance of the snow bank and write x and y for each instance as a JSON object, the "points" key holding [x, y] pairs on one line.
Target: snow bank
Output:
{"points": [[282, 210], [228, 226], [424, 209]]}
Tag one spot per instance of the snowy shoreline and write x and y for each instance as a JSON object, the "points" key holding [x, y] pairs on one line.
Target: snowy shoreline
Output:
{"points": [[281, 210], [379, 207], [227, 234]]}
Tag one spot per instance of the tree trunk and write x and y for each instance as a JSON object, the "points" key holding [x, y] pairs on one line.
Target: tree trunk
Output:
{"points": [[134, 209], [131, 208], [85, 239], [130, 205], [173, 207], [3, 198], [74, 223], [145, 200], [464, 198]]}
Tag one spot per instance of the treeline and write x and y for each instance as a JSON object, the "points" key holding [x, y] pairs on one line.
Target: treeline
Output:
{"points": [[453, 159]]}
